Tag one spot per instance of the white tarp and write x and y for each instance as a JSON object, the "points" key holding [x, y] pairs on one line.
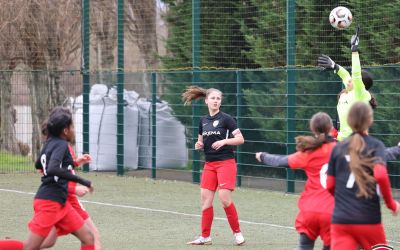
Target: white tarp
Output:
{"points": [[103, 129], [171, 150]]}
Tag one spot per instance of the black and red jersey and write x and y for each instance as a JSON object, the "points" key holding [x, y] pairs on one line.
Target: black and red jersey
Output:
{"points": [[56, 162], [350, 209], [215, 128]]}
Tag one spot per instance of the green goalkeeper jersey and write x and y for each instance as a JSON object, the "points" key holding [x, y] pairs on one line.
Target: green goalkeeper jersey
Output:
{"points": [[357, 93]]}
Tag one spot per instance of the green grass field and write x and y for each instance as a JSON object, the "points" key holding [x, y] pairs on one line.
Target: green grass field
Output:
{"points": [[140, 213], [15, 163]]}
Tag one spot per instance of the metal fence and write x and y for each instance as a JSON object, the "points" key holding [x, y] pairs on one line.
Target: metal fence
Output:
{"points": [[159, 132], [131, 61]]}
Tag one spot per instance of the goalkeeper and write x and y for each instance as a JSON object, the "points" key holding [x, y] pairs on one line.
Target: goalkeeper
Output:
{"points": [[356, 89], [356, 85]]}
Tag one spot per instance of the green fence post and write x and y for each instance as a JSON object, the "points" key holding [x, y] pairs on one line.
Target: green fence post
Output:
{"points": [[120, 88], [291, 86], [195, 131], [238, 116], [195, 80], [85, 68], [153, 124]]}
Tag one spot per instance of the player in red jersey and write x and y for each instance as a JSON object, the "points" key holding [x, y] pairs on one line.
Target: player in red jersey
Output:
{"points": [[315, 202], [218, 133], [357, 168], [51, 208]]}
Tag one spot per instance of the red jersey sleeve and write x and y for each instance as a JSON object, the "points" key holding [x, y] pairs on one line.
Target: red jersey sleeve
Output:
{"points": [[72, 152], [71, 187], [330, 184], [334, 133], [382, 178], [298, 160]]}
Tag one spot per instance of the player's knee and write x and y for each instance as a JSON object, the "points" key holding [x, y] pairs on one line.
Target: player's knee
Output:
{"points": [[226, 201], [87, 238], [206, 203], [32, 244], [48, 244], [207, 199], [50, 241], [225, 198]]}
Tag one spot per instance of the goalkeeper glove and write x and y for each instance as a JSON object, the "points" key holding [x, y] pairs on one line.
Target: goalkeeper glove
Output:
{"points": [[327, 63], [354, 41]]}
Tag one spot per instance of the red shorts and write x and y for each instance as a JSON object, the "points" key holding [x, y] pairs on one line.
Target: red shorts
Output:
{"points": [[349, 236], [77, 205], [219, 174], [314, 224], [49, 213]]}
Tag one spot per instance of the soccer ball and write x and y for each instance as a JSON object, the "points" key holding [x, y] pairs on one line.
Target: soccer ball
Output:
{"points": [[340, 17]]}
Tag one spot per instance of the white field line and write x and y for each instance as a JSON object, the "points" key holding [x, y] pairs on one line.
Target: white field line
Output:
{"points": [[156, 210], [170, 212]]}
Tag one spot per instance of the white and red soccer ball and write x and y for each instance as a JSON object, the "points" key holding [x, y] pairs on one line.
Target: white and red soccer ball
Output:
{"points": [[340, 17]]}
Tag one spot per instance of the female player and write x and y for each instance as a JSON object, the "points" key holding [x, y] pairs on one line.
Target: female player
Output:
{"points": [[356, 85], [73, 191], [218, 132], [315, 203], [356, 89], [356, 168], [51, 208]]}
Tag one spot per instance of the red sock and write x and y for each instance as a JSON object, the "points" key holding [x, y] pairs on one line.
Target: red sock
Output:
{"points": [[232, 216], [87, 247], [11, 245], [207, 216]]}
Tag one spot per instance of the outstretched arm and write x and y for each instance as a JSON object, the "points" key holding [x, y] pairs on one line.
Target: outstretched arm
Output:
{"points": [[392, 153], [296, 160], [52, 167], [345, 76], [272, 159], [359, 88], [358, 85], [55, 170], [327, 63]]}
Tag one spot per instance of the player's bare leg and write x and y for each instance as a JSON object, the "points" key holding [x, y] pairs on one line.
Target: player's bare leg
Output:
{"points": [[50, 240], [95, 233]]}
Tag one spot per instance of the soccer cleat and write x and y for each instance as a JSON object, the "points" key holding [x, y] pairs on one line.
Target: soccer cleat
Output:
{"points": [[239, 239], [201, 241]]}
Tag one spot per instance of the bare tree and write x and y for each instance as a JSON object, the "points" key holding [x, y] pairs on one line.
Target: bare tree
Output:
{"points": [[140, 28], [141, 16], [49, 32], [45, 36], [104, 28], [10, 49]]}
